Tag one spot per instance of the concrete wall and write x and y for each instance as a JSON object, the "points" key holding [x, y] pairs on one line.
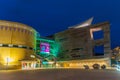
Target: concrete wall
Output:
{"points": [[79, 42]]}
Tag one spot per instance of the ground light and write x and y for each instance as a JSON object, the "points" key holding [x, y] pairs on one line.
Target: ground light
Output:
{"points": [[8, 59]]}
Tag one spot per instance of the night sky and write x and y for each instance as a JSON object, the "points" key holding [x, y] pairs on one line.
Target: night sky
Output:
{"points": [[51, 16]]}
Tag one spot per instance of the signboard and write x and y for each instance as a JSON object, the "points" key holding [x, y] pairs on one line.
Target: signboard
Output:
{"points": [[44, 48]]}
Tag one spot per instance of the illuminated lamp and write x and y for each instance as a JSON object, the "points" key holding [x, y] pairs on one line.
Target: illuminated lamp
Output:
{"points": [[32, 56], [118, 68], [8, 59]]}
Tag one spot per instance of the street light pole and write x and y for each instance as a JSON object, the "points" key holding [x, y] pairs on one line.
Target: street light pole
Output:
{"points": [[7, 59]]}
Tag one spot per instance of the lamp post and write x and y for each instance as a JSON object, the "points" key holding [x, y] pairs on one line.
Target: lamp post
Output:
{"points": [[7, 60]]}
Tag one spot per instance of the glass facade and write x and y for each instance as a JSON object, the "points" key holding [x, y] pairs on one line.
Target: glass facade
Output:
{"points": [[45, 47]]}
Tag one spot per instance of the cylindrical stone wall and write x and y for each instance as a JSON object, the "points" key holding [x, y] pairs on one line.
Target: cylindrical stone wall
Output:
{"points": [[17, 42]]}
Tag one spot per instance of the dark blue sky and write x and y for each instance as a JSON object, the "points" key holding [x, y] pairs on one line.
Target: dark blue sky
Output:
{"points": [[51, 16]]}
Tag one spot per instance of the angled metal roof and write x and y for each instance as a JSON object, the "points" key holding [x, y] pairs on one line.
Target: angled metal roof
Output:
{"points": [[84, 24]]}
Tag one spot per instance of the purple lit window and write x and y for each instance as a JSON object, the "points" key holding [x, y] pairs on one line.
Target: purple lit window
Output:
{"points": [[44, 48]]}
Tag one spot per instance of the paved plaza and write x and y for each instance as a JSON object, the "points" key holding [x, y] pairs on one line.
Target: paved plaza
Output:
{"points": [[59, 74]]}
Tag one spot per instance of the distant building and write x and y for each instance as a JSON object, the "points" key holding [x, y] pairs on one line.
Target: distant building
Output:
{"points": [[85, 40], [85, 44]]}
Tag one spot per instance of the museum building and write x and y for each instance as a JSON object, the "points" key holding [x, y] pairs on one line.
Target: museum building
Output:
{"points": [[17, 43], [21, 46]]}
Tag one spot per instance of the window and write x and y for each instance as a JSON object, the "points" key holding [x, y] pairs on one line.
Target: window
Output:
{"points": [[14, 29], [5, 45], [18, 29], [66, 51], [98, 35], [25, 31], [15, 45], [24, 46], [22, 30], [6, 28], [77, 49], [75, 56], [62, 39], [98, 50], [31, 33], [10, 28], [30, 48], [1, 27]]}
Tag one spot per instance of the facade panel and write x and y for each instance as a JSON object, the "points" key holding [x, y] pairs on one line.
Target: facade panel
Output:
{"points": [[80, 42]]}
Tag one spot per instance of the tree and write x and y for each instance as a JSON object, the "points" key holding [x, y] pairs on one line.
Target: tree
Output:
{"points": [[116, 53]]}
